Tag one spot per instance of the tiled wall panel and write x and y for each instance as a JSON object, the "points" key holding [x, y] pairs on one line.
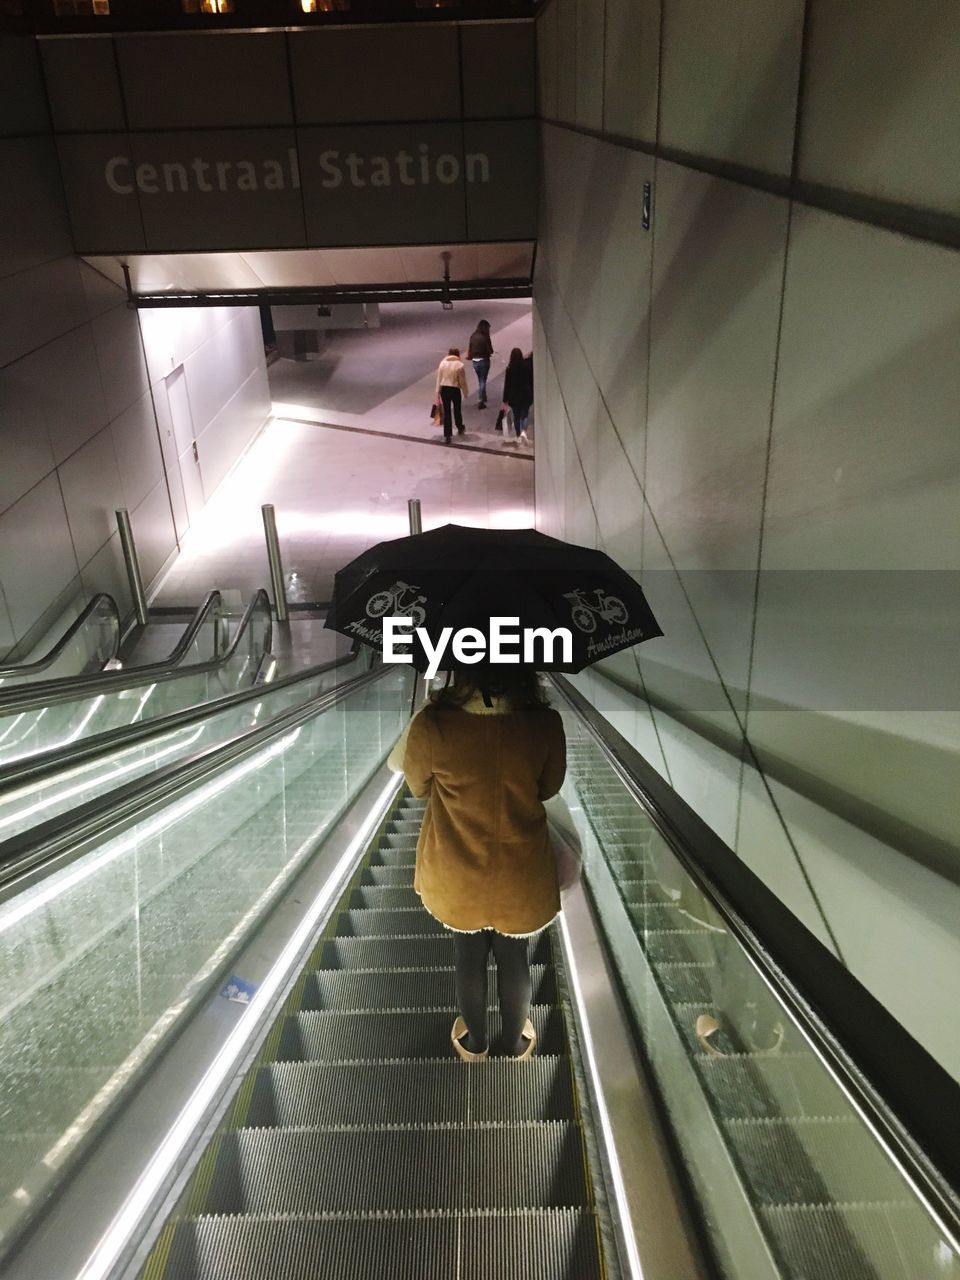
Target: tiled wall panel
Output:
{"points": [[90, 483], [728, 80], [590, 50], [785, 387], [631, 69], [882, 99], [77, 426]]}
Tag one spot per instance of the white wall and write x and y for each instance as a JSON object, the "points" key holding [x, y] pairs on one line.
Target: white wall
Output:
{"points": [[755, 405], [78, 430], [218, 352]]}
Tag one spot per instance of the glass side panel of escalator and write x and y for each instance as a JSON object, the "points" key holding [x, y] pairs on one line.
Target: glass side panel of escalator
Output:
{"points": [[790, 1178], [33, 729], [101, 961], [86, 646], [26, 806]]}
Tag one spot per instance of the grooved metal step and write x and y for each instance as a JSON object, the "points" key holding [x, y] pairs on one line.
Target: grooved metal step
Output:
{"points": [[411, 952], [812, 1161], [555, 1244], [363, 1149], [373, 989], [262, 1170], [397, 921], [747, 1086], [383, 1092], [348, 1036], [857, 1241]]}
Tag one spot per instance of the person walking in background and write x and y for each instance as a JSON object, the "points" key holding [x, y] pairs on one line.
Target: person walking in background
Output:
{"points": [[479, 351], [518, 392], [451, 388], [486, 752]]}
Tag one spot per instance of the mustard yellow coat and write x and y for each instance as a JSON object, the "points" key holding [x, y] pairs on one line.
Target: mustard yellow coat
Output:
{"points": [[484, 860]]}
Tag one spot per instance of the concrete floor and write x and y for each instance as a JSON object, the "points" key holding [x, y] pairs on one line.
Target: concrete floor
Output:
{"points": [[339, 489], [384, 379]]}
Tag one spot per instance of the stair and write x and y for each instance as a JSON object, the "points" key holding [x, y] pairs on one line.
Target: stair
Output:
{"points": [[359, 1147]]}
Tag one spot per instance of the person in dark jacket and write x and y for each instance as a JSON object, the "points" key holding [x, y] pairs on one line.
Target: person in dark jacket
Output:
{"points": [[479, 352], [518, 392]]}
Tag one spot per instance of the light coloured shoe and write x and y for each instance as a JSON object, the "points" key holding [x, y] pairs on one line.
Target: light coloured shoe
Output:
{"points": [[458, 1032], [530, 1035], [524, 438]]}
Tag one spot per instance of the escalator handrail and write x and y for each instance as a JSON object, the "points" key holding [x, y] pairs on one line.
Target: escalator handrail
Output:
{"points": [[40, 664], [46, 765], [50, 845], [907, 1095], [39, 695]]}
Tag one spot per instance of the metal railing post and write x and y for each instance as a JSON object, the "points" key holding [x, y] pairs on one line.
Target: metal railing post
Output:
{"points": [[129, 548], [416, 526], [273, 557]]}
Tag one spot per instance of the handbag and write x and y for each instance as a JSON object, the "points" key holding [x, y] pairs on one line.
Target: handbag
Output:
{"points": [[564, 840], [436, 413], [500, 417]]}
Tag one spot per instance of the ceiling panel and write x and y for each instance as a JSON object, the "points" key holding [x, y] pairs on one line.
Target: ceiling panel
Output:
{"points": [[316, 268]]}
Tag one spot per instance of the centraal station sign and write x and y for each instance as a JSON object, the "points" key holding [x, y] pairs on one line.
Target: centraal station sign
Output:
{"points": [[323, 186], [404, 168]]}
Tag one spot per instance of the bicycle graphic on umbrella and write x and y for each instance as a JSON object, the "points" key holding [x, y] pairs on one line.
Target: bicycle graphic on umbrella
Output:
{"points": [[584, 612], [397, 600]]}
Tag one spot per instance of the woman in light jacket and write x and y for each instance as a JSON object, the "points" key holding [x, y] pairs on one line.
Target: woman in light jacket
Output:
{"points": [[486, 752], [451, 388]]}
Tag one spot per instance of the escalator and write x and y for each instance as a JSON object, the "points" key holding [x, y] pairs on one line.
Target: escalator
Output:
{"points": [[326, 1129], [207, 662], [40, 788], [356, 1084], [86, 646]]}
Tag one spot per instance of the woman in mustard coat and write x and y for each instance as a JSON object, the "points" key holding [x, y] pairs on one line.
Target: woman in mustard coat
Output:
{"points": [[486, 752]]}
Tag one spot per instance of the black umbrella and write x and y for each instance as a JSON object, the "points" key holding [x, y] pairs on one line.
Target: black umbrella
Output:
{"points": [[458, 577]]}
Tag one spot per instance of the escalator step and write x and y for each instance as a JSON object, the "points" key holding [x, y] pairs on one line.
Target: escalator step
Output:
{"points": [[412, 952], [344, 1248], [499, 1167], [681, 944], [812, 1161], [399, 922], [383, 857], [370, 1035], [553, 1244], [385, 875], [858, 1242], [384, 896], [641, 891], [749, 1086], [656, 915], [379, 1093], [397, 840], [400, 989], [687, 982]]}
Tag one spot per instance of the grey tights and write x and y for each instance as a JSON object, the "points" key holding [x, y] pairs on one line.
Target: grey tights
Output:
{"points": [[513, 986]]}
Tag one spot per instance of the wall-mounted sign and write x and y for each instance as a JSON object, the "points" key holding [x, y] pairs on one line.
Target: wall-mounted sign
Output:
{"points": [[316, 187]]}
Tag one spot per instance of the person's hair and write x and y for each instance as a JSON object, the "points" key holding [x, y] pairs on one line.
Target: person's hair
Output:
{"points": [[516, 356], [454, 351], [483, 324], [521, 686]]}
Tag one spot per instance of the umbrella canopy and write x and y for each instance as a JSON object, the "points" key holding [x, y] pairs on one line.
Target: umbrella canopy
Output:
{"points": [[460, 577]]}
